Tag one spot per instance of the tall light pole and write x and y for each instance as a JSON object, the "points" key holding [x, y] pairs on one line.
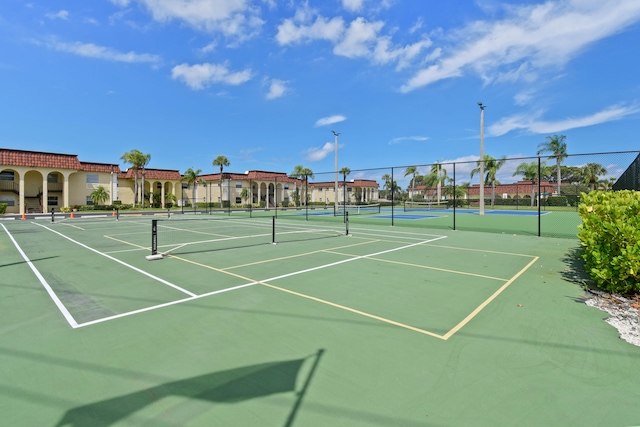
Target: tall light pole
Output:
{"points": [[335, 135], [481, 157]]}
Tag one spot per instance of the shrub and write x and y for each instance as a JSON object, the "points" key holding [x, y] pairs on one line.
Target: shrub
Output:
{"points": [[3, 208], [610, 235], [557, 201]]}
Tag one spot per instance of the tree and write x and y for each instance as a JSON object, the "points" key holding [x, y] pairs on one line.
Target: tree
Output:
{"points": [[387, 183], [191, 178], [459, 191], [345, 171], [245, 194], [138, 160], [144, 161], [221, 161], [437, 177], [491, 167], [558, 148], [304, 174], [529, 172], [591, 173], [411, 170], [169, 199], [99, 195]]}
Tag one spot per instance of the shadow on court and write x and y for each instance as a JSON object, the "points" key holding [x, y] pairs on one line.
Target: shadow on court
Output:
{"points": [[228, 386]]}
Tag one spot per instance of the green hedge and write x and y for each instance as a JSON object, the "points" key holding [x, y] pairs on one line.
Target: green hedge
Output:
{"points": [[610, 235], [3, 208]]}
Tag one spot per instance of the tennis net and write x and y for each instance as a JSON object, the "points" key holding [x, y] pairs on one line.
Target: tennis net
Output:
{"points": [[357, 209], [424, 206], [204, 234]]}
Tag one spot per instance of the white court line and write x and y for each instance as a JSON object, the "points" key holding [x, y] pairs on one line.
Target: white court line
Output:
{"points": [[295, 273], [119, 262], [44, 283]]}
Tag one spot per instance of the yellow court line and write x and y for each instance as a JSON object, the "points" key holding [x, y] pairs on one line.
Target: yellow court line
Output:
{"points": [[353, 310], [428, 267], [487, 301], [480, 250], [291, 256]]}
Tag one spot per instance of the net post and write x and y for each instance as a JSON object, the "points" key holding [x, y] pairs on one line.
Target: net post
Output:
{"points": [[154, 237], [273, 229], [346, 222]]}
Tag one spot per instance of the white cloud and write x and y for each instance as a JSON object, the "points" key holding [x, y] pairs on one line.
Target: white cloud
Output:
{"points": [[237, 19], [293, 31], [277, 88], [532, 124], [199, 76], [532, 39], [358, 39], [62, 14], [407, 138], [330, 120], [353, 5], [91, 50], [317, 154]]}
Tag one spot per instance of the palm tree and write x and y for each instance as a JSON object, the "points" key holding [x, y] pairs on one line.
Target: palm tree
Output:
{"points": [[529, 172], [555, 144], [191, 177], [138, 160], [144, 161], [345, 171], [438, 176], [592, 171], [455, 191], [387, 182], [99, 195], [304, 174], [221, 161], [245, 194], [491, 167], [411, 170]]}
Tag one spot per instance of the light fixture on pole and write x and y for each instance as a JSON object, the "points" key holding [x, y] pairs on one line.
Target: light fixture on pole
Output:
{"points": [[481, 157], [335, 134]]}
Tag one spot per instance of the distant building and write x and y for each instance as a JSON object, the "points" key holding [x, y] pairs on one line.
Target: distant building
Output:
{"points": [[34, 181]]}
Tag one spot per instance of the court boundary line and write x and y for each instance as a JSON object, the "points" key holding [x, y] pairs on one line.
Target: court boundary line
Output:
{"points": [[63, 309], [178, 288], [264, 282], [486, 302]]}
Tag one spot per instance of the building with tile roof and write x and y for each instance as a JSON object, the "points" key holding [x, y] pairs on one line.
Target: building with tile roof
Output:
{"points": [[34, 181]]}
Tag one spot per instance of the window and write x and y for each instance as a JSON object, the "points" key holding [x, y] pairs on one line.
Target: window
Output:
{"points": [[349, 189], [7, 176], [52, 200], [286, 186], [92, 178], [238, 184], [89, 201], [9, 200], [185, 185], [238, 200], [52, 177]]}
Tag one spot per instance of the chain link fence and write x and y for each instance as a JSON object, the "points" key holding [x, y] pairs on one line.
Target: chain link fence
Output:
{"points": [[536, 195]]}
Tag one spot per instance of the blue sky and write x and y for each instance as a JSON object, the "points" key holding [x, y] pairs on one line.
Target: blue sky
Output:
{"points": [[264, 82]]}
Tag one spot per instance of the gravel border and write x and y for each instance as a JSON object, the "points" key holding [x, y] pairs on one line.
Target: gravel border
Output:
{"points": [[625, 316]]}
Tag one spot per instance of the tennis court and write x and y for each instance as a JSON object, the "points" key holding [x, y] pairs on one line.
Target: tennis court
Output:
{"points": [[280, 321]]}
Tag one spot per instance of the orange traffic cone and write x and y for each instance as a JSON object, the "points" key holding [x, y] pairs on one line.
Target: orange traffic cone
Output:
{"points": [[72, 215], [113, 213], [24, 216]]}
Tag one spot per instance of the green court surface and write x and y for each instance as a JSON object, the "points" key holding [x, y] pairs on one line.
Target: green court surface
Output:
{"points": [[385, 326]]}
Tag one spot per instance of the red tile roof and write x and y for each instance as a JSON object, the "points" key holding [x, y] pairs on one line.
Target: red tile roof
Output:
{"points": [[160, 174], [38, 159], [99, 167]]}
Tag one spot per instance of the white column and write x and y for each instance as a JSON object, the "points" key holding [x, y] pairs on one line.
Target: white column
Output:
{"points": [[45, 193]]}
